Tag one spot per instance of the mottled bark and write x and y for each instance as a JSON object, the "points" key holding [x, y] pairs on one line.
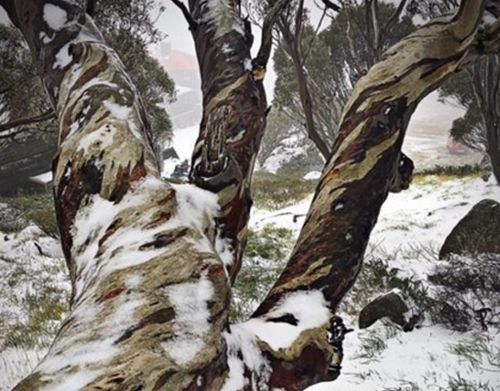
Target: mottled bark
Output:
{"points": [[234, 115], [355, 182], [150, 292]]}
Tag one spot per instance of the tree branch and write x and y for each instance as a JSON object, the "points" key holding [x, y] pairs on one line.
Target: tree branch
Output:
{"points": [[313, 38], [267, 33], [234, 118], [393, 19], [356, 180], [49, 114], [331, 5], [187, 15]]}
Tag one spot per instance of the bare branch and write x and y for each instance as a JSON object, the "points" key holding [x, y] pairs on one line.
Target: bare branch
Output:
{"points": [[91, 6], [313, 38], [331, 5], [187, 15], [267, 33], [49, 114], [393, 19]]}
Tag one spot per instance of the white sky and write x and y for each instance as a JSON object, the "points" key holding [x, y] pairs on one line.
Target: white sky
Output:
{"points": [[173, 24]]}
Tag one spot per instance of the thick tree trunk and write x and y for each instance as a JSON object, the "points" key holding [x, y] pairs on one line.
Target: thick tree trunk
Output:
{"points": [[150, 293], [234, 118], [356, 180]]}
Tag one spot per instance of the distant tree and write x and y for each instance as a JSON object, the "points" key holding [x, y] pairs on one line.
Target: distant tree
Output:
{"points": [[23, 103], [279, 127], [129, 28], [477, 91], [313, 94]]}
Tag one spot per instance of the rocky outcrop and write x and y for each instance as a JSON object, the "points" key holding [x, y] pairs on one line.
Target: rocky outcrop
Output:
{"points": [[392, 306], [477, 233]]}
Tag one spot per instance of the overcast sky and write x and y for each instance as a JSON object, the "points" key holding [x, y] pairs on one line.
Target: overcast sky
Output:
{"points": [[173, 24]]}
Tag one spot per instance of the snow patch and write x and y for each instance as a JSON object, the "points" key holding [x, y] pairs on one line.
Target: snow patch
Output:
{"points": [[54, 16], [312, 175], [225, 250], [190, 302], [309, 309], [196, 205]]}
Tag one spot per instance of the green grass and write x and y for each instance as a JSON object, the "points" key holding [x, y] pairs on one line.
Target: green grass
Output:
{"points": [[455, 171], [372, 345], [266, 253], [377, 276], [458, 383], [438, 174], [271, 191], [37, 208], [42, 306]]}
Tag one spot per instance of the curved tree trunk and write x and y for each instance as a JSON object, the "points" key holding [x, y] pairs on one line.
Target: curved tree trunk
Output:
{"points": [[150, 293]]}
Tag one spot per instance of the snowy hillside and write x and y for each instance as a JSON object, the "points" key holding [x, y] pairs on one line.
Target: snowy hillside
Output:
{"points": [[404, 245]]}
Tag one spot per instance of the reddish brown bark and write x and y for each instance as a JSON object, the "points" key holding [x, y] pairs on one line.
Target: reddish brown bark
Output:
{"points": [[234, 114]]}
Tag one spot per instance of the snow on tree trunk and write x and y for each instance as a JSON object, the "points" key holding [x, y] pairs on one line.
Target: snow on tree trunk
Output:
{"points": [[150, 293], [356, 180]]}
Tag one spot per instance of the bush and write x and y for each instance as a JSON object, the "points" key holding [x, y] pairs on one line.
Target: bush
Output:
{"points": [[37, 208], [266, 253], [377, 277], [454, 171], [271, 191], [467, 292], [299, 165]]}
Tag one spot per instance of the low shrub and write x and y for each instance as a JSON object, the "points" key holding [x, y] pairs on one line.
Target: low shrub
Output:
{"points": [[271, 191], [37, 208]]}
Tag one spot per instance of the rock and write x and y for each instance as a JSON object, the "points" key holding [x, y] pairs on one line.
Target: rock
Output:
{"points": [[11, 219], [181, 171], [477, 233], [170, 153], [390, 305]]}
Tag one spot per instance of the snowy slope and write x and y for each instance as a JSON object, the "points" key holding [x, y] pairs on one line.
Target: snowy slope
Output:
{"points": [[424, 359]]}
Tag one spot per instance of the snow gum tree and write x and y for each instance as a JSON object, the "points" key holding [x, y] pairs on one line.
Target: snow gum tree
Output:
{"points": [[151, 263]]}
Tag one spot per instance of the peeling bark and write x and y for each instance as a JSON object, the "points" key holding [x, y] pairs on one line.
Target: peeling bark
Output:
{"points": [[356, 180], [150, 291], [134, 244], [234, 115]]}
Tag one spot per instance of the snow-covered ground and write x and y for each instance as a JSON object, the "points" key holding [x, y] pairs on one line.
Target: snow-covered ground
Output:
{"points": [[420, 217], [425, 357], [183, 142]]}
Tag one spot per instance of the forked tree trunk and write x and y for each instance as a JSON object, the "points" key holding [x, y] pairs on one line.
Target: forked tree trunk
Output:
{"points": [[234, 116], [150, 293]]}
